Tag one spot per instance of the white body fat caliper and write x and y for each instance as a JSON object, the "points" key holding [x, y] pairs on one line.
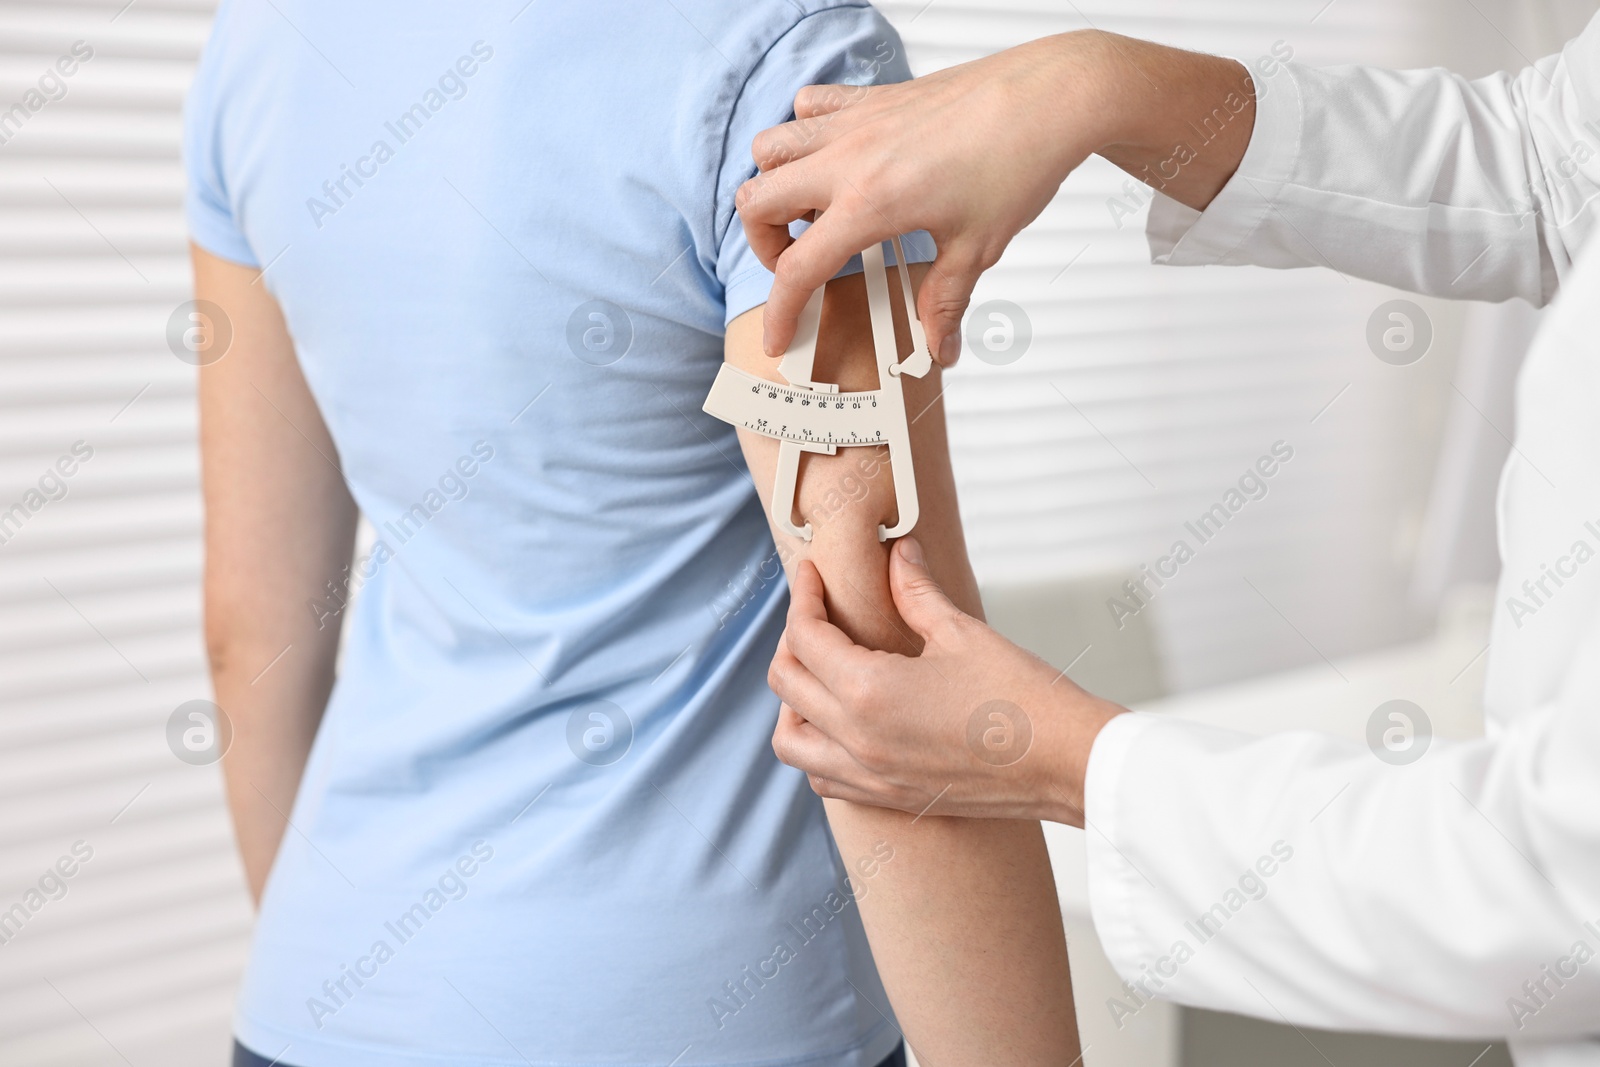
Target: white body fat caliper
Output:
{"points": [[810, 416]]}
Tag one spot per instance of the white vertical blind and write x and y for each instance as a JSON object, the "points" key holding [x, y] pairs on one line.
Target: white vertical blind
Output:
{"points": [[137, 962], [1178, 380]]}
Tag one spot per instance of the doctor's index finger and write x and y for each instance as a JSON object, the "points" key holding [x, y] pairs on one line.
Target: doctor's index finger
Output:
{"points": [[777, 146], [798, 743], [800, 690], [816, 100], [806, 593], [767, 203], [818, 646], [809, 262], [818, 111]]}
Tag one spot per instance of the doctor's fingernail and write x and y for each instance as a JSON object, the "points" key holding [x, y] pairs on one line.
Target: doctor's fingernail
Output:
{"points": [[911, 551], [950, 348]]}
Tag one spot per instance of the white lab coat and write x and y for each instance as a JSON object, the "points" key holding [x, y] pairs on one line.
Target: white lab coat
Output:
{"points": [[1457, 896]]}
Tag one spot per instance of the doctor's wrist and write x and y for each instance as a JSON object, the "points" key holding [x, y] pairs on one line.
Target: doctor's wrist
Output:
{"points": [[1177, 121], [1066, 740]]}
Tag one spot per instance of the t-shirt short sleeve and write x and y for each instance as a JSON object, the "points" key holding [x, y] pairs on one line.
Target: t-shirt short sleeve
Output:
{"points": [[207, 208], [846, 45]]}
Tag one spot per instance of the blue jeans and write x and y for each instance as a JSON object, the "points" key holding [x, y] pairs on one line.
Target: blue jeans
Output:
{"points": [[243, 1057]]}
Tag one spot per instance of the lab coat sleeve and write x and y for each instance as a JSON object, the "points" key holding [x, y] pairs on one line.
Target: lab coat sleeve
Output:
{"points": [[1299, 878], [1419, 179]]}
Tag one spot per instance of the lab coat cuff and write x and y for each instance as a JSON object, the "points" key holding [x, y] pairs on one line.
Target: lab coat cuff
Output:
{"points": [[1180, 236], [1115, 882]]}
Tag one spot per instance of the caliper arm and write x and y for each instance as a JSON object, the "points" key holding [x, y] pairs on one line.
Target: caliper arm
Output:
{"points": [[812, 416]]}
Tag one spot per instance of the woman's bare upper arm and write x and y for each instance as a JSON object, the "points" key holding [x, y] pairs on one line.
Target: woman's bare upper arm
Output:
{"points": [[846, 496], [279, 520]]}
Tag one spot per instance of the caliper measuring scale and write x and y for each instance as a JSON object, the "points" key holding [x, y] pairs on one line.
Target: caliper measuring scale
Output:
{"points": [[803, 415]]}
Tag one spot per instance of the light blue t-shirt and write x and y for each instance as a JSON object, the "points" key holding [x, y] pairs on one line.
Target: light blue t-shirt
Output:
{"points": [[542, 822]]}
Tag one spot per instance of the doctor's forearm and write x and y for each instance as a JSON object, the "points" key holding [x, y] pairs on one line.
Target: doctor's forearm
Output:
{"points": [[974, 152], [1180, 121]]}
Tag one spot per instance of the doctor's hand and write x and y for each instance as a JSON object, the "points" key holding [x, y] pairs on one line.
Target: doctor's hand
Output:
{"points": [[972, 154], [974, 726]]}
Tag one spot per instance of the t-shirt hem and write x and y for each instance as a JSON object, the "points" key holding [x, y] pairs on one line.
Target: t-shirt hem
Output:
{"points": [[294, 1047], [219, 239], [751, 287]]}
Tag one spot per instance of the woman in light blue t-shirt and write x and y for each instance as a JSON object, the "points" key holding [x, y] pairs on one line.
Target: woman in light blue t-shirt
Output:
{"points": [[540, 819]]}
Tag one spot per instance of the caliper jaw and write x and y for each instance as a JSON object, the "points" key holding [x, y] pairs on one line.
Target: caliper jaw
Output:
{"points": [[890, 370], [920, 361], [797, 367]]}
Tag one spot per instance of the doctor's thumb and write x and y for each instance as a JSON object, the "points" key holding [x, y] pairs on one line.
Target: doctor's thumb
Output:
{"points": [[919, 599], [942, 302]]}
